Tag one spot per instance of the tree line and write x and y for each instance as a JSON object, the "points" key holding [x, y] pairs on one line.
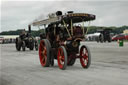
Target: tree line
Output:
{"points": [[91, 29]]}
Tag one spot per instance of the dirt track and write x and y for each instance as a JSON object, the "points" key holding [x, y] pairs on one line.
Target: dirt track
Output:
{"points": [[109, 67]]}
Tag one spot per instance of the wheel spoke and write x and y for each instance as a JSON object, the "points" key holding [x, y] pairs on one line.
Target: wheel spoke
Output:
{"points": [[43, 58], [61, 62], [62, 58], [41, 44], [45, 51], [85, 56], [87, 60], [84, 60], [59, 54], [86, 53]]}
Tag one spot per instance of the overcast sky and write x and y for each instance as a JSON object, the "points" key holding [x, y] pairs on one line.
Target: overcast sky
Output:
{"points": [[18, 14]]}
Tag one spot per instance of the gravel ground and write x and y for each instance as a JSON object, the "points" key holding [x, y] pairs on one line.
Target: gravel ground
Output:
{"points": [[109, 67]]}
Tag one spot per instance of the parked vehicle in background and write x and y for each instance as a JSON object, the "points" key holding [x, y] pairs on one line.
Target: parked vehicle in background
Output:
{"points": [[126, 36], [120, 37], [6, 39], [1, 40], [102, 35], [105, 35], [92, 37]]}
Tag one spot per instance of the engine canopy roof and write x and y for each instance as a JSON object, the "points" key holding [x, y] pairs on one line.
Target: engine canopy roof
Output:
{"points": [[75, 17]]}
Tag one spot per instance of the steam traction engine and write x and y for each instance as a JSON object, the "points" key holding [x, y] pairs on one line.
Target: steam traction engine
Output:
{"points": [[25, 39], [63, 34]]}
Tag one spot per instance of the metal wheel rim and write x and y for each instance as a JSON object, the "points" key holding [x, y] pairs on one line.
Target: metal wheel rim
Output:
{"points": [[84, 56]]}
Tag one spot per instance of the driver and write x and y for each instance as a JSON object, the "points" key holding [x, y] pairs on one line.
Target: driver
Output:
{"points": [[23, 34]]}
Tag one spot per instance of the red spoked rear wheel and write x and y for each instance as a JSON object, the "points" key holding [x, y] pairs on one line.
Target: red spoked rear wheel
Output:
{"points": [[85, 58], [44, 52], [62, 58]]}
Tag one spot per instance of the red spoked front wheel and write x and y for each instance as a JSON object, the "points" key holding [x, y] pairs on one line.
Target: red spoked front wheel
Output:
{"points": [[62, 58], [44, 53], [85, 58]]}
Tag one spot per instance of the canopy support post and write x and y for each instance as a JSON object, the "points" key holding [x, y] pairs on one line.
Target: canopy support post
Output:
{"points": [[71, 28], [67, 29], [88, 27]]}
